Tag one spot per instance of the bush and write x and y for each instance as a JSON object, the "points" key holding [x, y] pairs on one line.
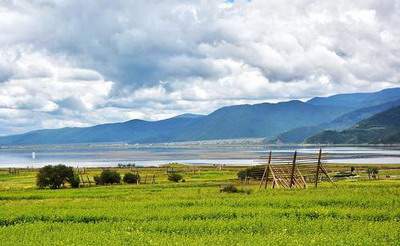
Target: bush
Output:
{"points": [[230, 188], [98, 180], [372, 172], [174, 177], [131, 178], [56, 176], [344, 174], [75, 181], [108, 177]]}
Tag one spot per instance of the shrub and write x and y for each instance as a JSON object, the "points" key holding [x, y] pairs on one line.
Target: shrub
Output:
{"points": [[75, 181], [56, 176], [131, 178], [98, 180], [344, 174], [230, 188], [372, 172], [108, 177], [174, 177]]}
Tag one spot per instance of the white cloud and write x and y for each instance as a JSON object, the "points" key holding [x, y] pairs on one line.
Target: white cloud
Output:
{"points": [[69, 63]]}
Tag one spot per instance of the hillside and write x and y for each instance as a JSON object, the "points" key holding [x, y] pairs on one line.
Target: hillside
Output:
{"points": [[358, 100], [259, 120], [133, 130], [382, 128], [298, 135], [240, 121]]}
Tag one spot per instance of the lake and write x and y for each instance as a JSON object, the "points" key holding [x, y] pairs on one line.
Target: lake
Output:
{"points": [[97, 155]]}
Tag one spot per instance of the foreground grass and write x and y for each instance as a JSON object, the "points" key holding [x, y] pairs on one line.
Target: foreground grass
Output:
{"points": [[196, 213]]}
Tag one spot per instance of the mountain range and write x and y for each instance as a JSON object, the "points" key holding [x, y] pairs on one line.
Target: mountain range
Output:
{"points": [[382, 128], [299, 135], [292, 121]]}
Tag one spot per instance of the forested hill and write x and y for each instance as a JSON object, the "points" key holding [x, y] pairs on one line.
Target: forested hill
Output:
{"points": [[382, 128]]}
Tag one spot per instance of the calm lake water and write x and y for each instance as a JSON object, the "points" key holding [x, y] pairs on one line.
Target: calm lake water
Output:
{"points": [[150, 155]]}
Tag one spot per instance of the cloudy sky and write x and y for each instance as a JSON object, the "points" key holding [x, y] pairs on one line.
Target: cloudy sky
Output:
{"points": [[79, 63]]}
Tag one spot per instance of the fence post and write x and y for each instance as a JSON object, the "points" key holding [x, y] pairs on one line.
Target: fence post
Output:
{"points": [[318, 167], [293, 169], [266, 171], [269, 167]]}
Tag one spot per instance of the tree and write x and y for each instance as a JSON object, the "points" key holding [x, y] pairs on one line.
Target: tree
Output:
{"points": [[372, 172], [75, 181], [108, 177], [131, 178], [56, 176]]}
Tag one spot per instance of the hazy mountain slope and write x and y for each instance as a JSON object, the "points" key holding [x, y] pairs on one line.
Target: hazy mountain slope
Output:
{"points": [[298, 135], [358, 100], [241, 121], [134, 130], [382, 128], [260, 120], [349, 119]]}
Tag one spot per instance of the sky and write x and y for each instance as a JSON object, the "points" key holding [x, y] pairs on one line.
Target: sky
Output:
{"points": [[80, 63]]}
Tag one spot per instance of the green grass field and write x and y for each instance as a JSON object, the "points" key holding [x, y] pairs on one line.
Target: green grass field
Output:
{"points": [[352, 212]]}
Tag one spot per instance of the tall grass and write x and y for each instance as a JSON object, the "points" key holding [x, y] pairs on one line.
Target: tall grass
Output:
{"points": [[196, 213]]}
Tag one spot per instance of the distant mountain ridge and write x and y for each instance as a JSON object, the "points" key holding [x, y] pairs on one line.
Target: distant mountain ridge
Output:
{"points": [[240, 121], [264, 120], [382, 128], [358, 100], [298, 135]]}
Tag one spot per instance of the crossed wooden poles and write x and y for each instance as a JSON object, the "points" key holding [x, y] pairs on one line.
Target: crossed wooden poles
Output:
{"points": [[290, 176]]}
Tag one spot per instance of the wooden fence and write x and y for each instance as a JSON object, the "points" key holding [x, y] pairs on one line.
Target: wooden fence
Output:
{"points": [[295, 171]]}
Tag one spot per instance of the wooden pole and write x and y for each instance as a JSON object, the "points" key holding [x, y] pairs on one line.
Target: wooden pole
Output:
{"points": [[88, 180], [267, 177], [293, 169], [326, 174], [318, 167], [274, 180], [266, 171], [302, 178]]}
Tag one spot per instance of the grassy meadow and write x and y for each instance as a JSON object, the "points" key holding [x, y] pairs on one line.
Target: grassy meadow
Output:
{"points": [[195, 212]]}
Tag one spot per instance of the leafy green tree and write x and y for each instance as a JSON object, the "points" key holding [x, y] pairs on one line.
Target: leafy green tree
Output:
{"points": [[372, 172], [75, 181], [108, 177], [56, 176], [131, 178]]}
